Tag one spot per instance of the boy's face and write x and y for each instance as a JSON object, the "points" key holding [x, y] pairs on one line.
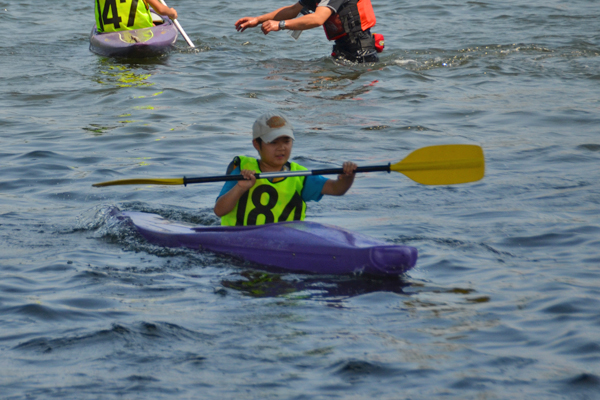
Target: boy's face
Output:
{"points": [[276, 153]]}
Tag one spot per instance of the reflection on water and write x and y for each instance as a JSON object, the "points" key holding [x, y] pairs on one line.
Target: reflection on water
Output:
{"points": [[97, 129], [113, 74], [330, 76], [332, 288]]}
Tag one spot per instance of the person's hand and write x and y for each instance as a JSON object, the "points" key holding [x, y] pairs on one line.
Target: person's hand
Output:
{"points": [[248, 181], [270, 26], [349, 170], [246, 22], [172, 13]]}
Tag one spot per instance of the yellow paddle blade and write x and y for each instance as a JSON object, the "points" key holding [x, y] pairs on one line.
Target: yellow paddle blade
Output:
{"points": [[174, 181], [443, 165]]}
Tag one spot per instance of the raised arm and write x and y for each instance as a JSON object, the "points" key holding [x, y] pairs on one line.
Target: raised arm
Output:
{"points": [[344, 181], [302, 23], [281, 14], [162, 9]]}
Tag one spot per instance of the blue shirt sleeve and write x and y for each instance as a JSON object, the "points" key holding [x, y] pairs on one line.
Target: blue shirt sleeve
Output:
{"points": [[312, 188], [229, 184]]}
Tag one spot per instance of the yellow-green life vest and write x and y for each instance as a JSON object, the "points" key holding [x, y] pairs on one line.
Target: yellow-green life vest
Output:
{"points": [[267, 202], [122, 15]]}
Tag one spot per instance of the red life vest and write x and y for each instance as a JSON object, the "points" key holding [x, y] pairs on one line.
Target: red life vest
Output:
{"points": [[353, 17]]}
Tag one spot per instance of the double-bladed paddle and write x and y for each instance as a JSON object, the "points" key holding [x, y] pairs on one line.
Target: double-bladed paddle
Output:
{"points": [[180, 29], [434, 165]]}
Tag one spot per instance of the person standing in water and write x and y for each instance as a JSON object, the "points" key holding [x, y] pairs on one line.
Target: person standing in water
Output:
{"points": [[347, 22]]}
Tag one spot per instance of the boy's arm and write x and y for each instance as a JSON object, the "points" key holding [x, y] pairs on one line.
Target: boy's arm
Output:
{"points": [[302, 23], [162, 9], [281, 14], [226, 203], [344, 181]]}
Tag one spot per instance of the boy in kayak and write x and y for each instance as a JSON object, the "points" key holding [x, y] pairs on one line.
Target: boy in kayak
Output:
{"points": [[257, 202], [121, 15], [348, 22]]}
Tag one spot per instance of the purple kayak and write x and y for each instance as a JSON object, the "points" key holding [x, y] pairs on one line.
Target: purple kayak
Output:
{"points": [[300, 246], [144, 42]]}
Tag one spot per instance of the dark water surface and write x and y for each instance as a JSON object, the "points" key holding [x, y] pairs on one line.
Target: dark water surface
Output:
{"points": [[504, 301]]}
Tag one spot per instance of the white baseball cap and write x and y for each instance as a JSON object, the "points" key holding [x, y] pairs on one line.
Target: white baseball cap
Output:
{"points": [[272, 125]]}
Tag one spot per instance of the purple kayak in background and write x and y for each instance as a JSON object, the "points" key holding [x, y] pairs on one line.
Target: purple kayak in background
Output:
{"points": [[300, 246], [138, 43]]}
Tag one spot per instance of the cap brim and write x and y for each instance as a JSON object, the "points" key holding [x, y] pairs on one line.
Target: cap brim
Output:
{"points": [[275, 133]]}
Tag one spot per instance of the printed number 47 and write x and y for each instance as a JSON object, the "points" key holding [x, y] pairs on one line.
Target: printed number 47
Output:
{"points": [[111, 7]]}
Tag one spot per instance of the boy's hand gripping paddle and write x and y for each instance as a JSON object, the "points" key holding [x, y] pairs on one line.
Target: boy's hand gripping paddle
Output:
{"points": [[180, 29]]}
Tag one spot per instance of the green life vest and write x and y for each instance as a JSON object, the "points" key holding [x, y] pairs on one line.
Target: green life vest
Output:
{"points": [[122, 15], [267, 202]]}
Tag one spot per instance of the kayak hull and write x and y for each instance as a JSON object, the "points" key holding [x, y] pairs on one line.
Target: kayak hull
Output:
{"points": [[299, 246], [138, 43]]}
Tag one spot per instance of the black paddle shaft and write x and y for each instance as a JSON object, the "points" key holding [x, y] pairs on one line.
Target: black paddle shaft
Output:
{"points": [[283, 174], [372, 168]]}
